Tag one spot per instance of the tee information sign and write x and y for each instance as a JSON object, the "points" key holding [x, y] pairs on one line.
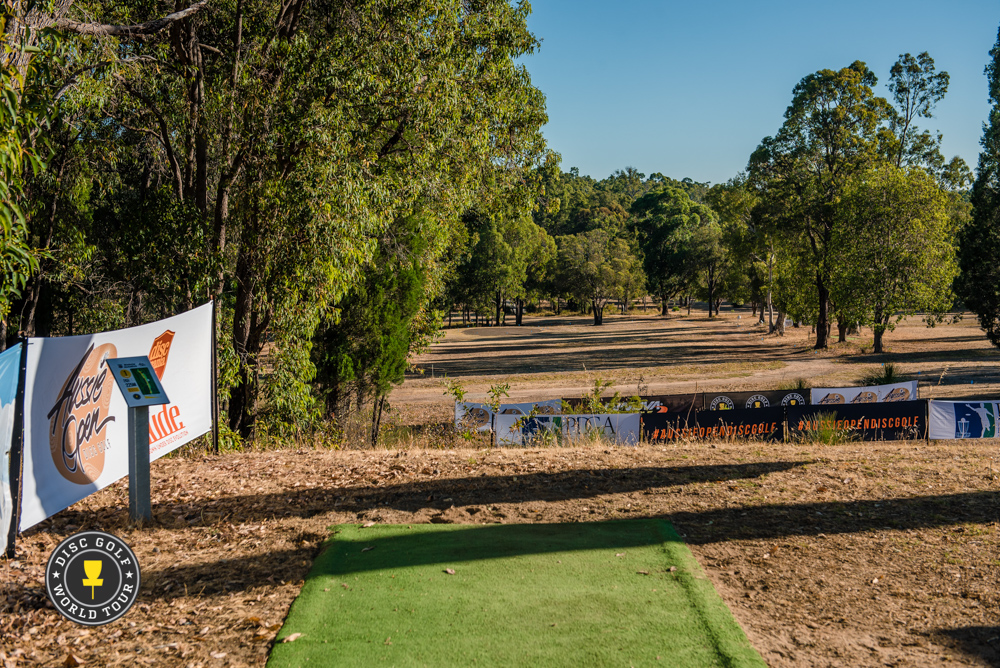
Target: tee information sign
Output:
{"points": [[138, 381]]}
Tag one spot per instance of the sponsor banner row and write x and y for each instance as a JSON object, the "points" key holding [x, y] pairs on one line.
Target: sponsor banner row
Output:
{"points": [[898, 421], [728, 401], [479, 417]]}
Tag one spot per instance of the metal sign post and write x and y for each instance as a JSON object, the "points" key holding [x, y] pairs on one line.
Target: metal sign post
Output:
{"points": [[141, 388], [139, 506]]}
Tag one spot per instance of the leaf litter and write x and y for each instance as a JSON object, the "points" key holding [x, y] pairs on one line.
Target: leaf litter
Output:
{"points": [[219, 576]]}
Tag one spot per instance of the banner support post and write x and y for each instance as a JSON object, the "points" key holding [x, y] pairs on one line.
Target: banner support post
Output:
{"points": [[215, 377], [139, 507]]}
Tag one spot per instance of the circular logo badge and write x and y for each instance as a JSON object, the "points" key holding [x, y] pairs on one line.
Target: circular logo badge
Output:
{"points": [[722, 404], [758, 401], [92, 578], [793, 399], [865, 398]]}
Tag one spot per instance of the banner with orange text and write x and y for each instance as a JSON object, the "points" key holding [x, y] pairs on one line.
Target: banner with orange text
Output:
{"points": [[76, 421]]}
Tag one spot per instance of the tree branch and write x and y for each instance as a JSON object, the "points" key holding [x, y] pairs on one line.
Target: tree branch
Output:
{"points": [[147, 28]]}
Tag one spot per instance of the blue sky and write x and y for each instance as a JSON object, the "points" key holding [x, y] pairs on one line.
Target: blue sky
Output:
{"points": [[690, 88]]}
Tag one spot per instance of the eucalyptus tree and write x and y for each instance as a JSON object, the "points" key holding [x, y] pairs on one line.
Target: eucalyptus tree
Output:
{"points": [[294, 132], [916, 87], [833, 129], [894, 252], [595, 267], [666, 222]]}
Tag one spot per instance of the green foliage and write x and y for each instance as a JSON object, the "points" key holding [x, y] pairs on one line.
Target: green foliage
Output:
{"points": [[799, 385], [496, 394], [596, 266], [979, 284], [676, 237], [454, 389], [886, 374], [892, 251], [361, 355], [826, 431]]}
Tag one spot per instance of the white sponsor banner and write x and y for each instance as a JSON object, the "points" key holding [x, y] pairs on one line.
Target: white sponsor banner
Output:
{"points": [[10, 368], [479, 417], [963, 419], [865, 395], [76, 421], [473, 417], [623, 428]]}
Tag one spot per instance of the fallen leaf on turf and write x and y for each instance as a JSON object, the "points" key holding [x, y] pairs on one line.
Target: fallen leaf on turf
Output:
{"points": [[620, 554], [643, 572], [388, 641], [673, 568], [367, 524], [449, 571], [72, 661], [291, 638], [370, 547], [345, 585]]}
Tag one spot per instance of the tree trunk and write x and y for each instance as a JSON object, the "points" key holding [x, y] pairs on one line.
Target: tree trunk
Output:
{"points": [[377, 407], [249, 326], [770, 281], [519, 312], [499, 306], [842, 328], [598, 313], [879, 330], [780, 325], [823, 321], [664, 305]]}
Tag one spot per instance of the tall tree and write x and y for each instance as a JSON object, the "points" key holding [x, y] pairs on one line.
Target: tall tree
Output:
{"points": [[595, 267], [666, 220], [916, 87], [979, 284], [834, 128], [893, 251]]}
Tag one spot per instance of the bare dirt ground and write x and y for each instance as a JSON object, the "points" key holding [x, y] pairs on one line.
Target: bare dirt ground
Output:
{"points": [[862, 554]]}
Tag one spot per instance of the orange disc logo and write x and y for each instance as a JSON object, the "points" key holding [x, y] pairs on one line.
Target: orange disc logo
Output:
{"points": [[159, 352], [77, 421]]}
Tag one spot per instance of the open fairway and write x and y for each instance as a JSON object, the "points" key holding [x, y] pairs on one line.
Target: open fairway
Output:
{"points": [[614, 593]]}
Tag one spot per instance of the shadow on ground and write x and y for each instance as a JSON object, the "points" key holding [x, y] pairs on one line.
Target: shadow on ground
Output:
{"points": [[982, 642]]}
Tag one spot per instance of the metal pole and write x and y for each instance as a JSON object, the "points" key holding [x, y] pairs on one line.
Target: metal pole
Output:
{"points": [[215, 378], [139, 508]]}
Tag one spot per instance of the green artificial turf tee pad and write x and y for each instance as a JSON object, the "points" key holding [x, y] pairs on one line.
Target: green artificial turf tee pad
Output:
{"points": [[623, 593]]}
